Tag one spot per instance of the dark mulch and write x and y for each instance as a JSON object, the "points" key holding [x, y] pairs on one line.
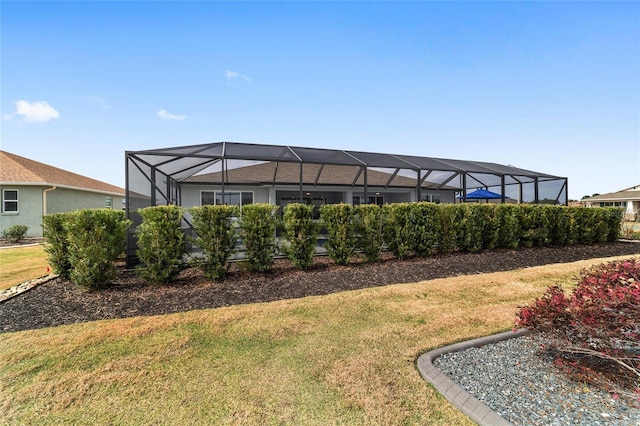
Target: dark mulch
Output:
{"points": [[61, 302]]}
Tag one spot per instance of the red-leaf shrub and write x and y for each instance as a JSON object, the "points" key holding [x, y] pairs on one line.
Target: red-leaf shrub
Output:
{"points": [[596, 329]]}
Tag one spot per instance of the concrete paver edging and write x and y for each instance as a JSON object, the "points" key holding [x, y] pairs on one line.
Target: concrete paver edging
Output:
{"points": [[21, 288], [463, 400]]}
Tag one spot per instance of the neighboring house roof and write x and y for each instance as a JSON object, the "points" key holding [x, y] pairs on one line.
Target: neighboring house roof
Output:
{"points": [[18, 170], [270, 173], [632, 193]]}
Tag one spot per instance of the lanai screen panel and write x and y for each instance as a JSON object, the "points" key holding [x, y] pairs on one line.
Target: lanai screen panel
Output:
{"points": [[372, 159], [180, 163], [326, 156], [259, 152]]}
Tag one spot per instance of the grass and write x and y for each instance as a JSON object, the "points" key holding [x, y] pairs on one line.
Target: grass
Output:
{"points": [[346, 358], [21, 264]]}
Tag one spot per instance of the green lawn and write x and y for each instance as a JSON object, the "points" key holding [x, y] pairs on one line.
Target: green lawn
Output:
{"points": [[346, 358], [21, 264]]}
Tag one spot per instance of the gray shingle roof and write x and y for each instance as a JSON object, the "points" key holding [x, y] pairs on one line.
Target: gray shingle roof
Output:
{"points": [[632, 193], [15, 169]]}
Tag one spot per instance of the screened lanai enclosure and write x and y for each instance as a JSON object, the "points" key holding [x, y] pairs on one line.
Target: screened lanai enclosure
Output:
{"points": [[242, 173]]}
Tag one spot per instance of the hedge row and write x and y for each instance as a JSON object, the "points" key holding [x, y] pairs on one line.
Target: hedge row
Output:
{"points": [[405, 229], [82, 245]]}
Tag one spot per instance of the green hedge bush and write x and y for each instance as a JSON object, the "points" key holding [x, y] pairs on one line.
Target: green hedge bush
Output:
{"points": [[451, 225], [339, 221], [613, 217], [424, 227], [258, 232], [15, 233], [57, 245], [96, 238], [300, 234], [369, 230], [472, 228], [216, 236], [509, 232], [535, 225], [161, 244], [398, 233]]}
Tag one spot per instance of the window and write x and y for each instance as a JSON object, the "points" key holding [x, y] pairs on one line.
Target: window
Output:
{"points": [[10, 201], [432, 198], [613, 204], [378, 199], [108, 202], [238, 198]]}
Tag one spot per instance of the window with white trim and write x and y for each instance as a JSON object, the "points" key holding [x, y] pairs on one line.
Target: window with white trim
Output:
{"points": [[9, 201], [231, 198]]}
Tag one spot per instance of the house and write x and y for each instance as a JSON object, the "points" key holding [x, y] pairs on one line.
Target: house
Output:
{"points": [[278, 183], [228, 172], [627, 199], [243, 173], [30, 189]]}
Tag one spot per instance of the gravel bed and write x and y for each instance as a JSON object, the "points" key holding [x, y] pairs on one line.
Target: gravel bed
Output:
{"points": [[522, 385]]}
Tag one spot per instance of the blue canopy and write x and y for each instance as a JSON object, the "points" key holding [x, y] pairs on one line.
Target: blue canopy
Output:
{"points": [[482, 194]]}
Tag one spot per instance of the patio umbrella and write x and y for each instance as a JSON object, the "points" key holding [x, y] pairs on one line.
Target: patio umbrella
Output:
{"points": [[482, 194]]}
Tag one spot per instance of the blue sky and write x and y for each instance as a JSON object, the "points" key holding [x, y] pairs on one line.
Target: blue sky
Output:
{"points": [[547, 86]]}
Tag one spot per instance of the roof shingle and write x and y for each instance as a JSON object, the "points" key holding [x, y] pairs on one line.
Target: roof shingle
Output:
{"points": [[19, 170]]}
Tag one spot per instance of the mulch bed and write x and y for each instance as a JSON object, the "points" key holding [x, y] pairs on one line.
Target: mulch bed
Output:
{"points": [[60, 302]]}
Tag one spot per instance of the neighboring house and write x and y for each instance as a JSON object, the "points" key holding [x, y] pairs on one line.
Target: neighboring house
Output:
{"points": [[627, 199], [29, 190]]}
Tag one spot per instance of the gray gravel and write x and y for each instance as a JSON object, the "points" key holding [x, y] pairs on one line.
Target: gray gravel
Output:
{"points": [[526, 389]]}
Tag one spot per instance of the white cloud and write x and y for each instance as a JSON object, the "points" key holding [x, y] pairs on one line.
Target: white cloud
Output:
{"points": [[234, 74], [36, 112], [166, 115]]}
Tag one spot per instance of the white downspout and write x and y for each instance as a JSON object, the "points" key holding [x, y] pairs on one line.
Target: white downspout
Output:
{"points": [[44, 199]]}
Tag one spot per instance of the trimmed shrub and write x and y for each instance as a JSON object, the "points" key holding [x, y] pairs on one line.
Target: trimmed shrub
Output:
{"points": [[488, 214], [471, 238], [161, 244], [586, 225], [535, 225], [509, 228], [398, 233], [574, 231], [340, 224], [600, 226], [216, 236], [424, 227], [559, 225], [56, 247], [451, 222], [369, 228], [596, 329], [15, 233], [300, 234], [258, 232], [613, 218], [96, 238]]}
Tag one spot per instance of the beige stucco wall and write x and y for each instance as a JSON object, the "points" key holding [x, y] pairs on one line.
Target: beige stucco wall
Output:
{"points": [[30, 208]]}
